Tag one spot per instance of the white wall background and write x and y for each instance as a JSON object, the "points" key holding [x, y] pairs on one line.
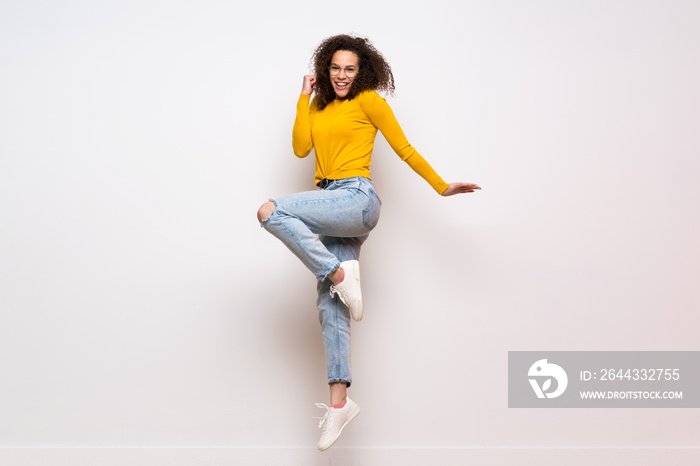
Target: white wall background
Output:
{"points": [[142, 306]]}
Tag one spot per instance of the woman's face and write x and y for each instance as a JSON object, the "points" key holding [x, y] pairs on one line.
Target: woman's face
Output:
{"points": [[343, 69]]}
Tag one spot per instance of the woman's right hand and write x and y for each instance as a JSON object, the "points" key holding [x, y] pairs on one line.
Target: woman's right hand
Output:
{"points": [[309, 84]]}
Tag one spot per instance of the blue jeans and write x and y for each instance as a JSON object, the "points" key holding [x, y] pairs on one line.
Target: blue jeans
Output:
{"points": [[324, 228]]}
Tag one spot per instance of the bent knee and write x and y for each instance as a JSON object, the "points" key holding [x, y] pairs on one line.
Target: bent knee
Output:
{"points": [[265, 210]]}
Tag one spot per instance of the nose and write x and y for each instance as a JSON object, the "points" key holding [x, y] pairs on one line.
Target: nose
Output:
{"points": [[342, 70]]}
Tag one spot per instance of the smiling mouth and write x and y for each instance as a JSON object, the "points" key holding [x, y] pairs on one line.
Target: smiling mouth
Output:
{"points": [[342, 86]]}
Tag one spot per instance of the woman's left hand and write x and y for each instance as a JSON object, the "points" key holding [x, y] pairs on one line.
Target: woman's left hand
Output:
{"points": [[459, 188]]}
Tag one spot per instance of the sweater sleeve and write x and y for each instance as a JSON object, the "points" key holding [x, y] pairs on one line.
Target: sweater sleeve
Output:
{"points": [[302, 143], [381, 116]]}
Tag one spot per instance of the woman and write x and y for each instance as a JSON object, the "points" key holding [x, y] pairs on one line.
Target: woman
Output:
{"points": [[325, 228]]}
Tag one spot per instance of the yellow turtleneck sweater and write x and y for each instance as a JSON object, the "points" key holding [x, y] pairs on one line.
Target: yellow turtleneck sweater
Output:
{"points": [[343, 135]]}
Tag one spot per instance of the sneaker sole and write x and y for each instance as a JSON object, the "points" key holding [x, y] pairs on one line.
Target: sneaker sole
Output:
{"points": [[357, 316], [352, 416]]}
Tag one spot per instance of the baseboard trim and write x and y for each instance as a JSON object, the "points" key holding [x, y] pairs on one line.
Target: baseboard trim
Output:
{"points": [[227, 456]]}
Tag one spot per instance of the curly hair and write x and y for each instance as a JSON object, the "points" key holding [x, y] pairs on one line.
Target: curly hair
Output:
{"points": [[374, 73]]}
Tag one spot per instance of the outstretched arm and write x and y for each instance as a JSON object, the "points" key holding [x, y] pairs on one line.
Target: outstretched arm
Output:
{"points": [[383, 118], [460, 188]]}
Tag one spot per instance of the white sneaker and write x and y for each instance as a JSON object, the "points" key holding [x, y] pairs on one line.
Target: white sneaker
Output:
{"points": [[334, 421], [349, 289]]}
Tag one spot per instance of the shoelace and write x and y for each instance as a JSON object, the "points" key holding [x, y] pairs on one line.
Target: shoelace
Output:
{"points": [[334, 291], [325, 419]]}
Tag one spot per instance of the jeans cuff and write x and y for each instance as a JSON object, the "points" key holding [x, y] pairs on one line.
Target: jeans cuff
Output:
{"points": [[347, 382]]}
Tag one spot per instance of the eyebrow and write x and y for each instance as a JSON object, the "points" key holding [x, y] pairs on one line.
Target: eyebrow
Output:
{"points": [[349, 66]]}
